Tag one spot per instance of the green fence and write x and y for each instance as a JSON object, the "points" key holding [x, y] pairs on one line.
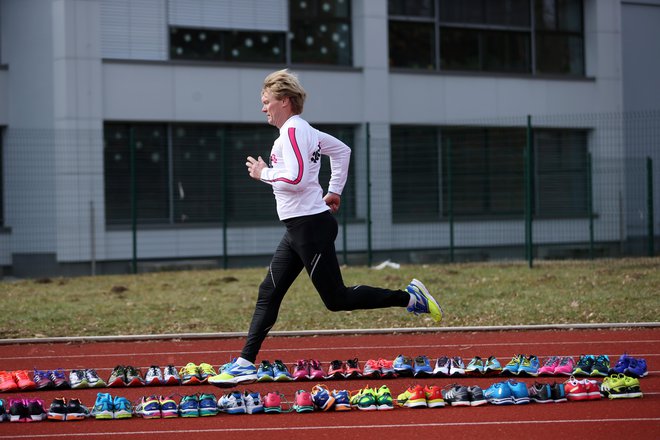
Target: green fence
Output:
{"points": [[137, 197]]}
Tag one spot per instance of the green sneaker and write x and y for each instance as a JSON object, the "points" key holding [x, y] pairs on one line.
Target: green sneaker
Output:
{"points": [[365, 399], [384, 398], [620, 386], [424, 302]]}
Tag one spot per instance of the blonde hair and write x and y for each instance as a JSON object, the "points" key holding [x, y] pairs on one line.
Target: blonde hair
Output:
{"points": [[286, 84]]}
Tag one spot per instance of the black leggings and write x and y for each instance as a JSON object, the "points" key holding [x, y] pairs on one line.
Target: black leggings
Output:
{"points": [[309, 242]]}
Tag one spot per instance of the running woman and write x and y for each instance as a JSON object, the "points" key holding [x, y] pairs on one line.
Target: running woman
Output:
{"points": [[311, 228]]}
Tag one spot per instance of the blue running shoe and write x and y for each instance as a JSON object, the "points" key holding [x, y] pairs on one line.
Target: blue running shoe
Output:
{"points": [[514, 365], [253, 402], [601, 366], [265, 372], [422, 367], [342, 400], [529, 366], [123, 408], [322, 398], [403, 365], [492, 366], [232, 403], [189, 406], [424, 302], [519, 392], [621, 364], [281, 372], [476, 366], [499, 394], [233, 374], [208, 405], [584, 365], [103, 407], [636, 367]]}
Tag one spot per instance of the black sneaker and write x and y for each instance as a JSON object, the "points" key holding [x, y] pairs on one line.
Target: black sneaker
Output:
{"points": [[476, 395], [540, 393], [75, 410], [584, 365], [558, 393], [601, 366], [3, 411], [18, 411], [456, 395], [35, 409], [57, 410]]}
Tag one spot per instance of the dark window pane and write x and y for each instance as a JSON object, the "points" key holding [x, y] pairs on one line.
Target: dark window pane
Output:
{"points": [[506, 51], [321, 42], [419, 55], [315, 9], [560, 15], [196, 44], [414, 8], [508, 12], [2, 202], [462, 11], [559, 53], [459, 49], [545, 12]]}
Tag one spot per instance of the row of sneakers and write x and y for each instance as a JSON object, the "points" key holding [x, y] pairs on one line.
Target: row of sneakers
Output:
{"points": [[22, 409], [586, 365]]}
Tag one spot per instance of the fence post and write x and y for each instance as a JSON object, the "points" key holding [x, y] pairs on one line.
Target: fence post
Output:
{"points": [[649, 205], [450, 201], [344, 236], [223, 205], [131, 137], [369, 249], [590, 206], [528, 194]]}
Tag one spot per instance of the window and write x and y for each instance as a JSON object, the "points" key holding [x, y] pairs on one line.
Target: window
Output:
{"points": [[2, 191], [488, 35]]}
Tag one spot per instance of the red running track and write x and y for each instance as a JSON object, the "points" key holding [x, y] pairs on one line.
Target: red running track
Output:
{"points": [[623, 418]]}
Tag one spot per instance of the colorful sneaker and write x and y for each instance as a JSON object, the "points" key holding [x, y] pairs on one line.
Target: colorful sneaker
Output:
{"points": [[476, 395], [636, 368], [7, 382], [23, 380], [322, 398], [232, 403], [168, 407], [253, 403], [190, 374], [205, 371], [386, 368], [3, 411], [549, 365], [58, 377], [189, 406], [170, 376], [315, 370], [154, 376], [233, 375], [35, 408], [208, 405], [529, 366], [18, 410], [442, 366], [519, 392], [281, 372], [123, 408], [78, 379], [423, 301], [620, 386], [353, 369], [265, 372], [540, 393], [336, 370], [364, 399], [457, 367], [514, 365], [584, 365], [581, 389], [384, 398], [601, 366], [301, 370], [416, 397], [342, 400], [621, 364], [558, 393], [492, 366], [499, 394], [103, 407], [273, 402], [148, 408], [371, 369], [403, 365], [117, 377], [133, 377], [475, 366], [302, 401], [456, 395], [422, 367], [592, 388], [42, 380], [566, 366], [75, 410], [58, 409], [434, 397], [93, 379]]}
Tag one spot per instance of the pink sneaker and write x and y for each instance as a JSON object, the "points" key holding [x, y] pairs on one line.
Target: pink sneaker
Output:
{"points": [[303, 401], [566, 366], [273, 402], [301, 370], [549, 365], [315, 370], [371, 369]]}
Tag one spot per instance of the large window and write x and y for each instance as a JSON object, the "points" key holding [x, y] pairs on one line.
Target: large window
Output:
{"points": [[2, 190], [479, 173], [195, 173], [510, 36]]}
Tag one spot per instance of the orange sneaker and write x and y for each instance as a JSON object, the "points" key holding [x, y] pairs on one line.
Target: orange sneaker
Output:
{"points": [[413, 397], [434, 396], [7, 382], [23, 380]]}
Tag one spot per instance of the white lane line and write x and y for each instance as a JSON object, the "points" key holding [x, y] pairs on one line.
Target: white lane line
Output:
{"points": [[329, 427]]}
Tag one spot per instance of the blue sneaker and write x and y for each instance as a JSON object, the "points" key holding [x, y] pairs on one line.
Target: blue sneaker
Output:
{"points": [[265, 372], [103, 407], [424, 302], [519, 392], [492, 366], [253, 402], [232, 403], [499, 394], [514, 365], [403, 365], [422, 366], [637, 367], [476, 366], [233, 374], [123, 408], [529, 365], [189, 406], [208, 405], [342, 400], [584, 365], [322, 398], [281, 372]]}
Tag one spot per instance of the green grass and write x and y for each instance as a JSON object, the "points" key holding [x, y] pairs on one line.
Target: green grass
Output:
{"points": [[625, 290]]}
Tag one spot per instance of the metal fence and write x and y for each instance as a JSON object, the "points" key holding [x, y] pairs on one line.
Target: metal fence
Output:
{"points": [[136, 197]]}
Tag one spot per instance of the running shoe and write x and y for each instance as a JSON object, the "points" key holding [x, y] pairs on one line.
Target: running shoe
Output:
{"points": [[457, 367], [232, 403], [636, 368], [434, 397], [540, 393], [302, 402], [117, 377], [584, 365], [42, 380], [514, 365], [475, 366], [18, 410], [492, 366], [416, 397], [476, 395], [386, 368], [403, 365], [456, 395], [154, 376], [78, 379], [75, 410], [58, 377], [189, 406], [529, 366], [133, 377], [208, 405], [423, 302], [148, 408], [3, 411], [190, 374], [123, 408], [549, 365], [301, 370], [566, 366], [253, 403], [273, 402], [352, 369], [593, 389], [342, 400], [204, 371], [621, 364], [93, 379], [519, 392], [281, 372], [23, 380], [384, 398], [601, 366], [315, 370], [336, 370], [170, 376], [103, 407], [168, 407], [7, 382], [422, 367], [371, 369], [322, 398], [364, 399], [234, 374], [584, 389], [58, 409], [557, 392], [442, 366], [265, 372], [35, 408], [620, 386], [499, 393]]}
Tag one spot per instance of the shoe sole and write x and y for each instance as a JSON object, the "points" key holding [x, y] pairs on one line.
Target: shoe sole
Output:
{"points": [[434, 308], [245, 379]]}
